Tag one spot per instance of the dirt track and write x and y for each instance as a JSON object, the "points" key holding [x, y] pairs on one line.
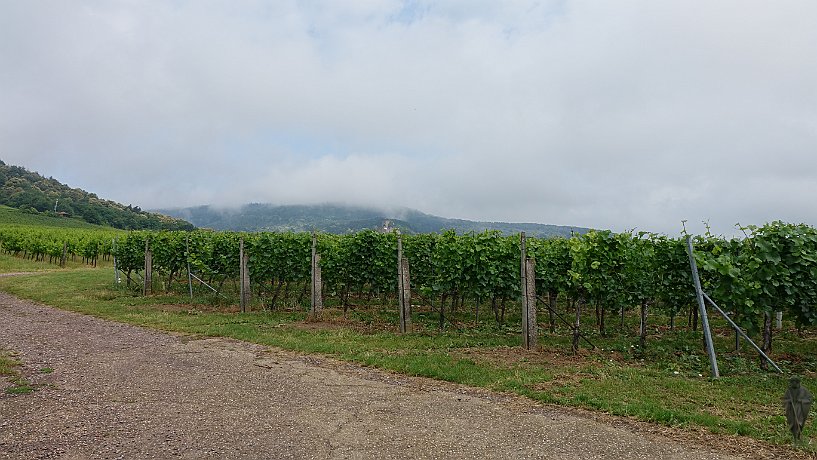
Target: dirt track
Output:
{"points": [[120, 391]]}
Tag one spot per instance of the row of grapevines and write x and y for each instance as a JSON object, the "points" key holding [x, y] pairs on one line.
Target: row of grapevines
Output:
{"points": [[355, 265], [612, 272], [37, 243], [774, 268]]}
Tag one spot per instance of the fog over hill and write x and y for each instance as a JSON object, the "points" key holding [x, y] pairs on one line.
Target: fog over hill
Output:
{"points": [[335, 218]]}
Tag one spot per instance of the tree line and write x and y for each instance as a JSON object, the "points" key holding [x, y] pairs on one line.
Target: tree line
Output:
{"points": [[33, 193]]}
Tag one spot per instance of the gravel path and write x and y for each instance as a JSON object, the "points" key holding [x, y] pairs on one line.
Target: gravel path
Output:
{"points": [[119, 391]]}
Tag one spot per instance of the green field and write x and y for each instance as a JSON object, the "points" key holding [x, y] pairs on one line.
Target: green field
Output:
{"points": [[13, 217]]}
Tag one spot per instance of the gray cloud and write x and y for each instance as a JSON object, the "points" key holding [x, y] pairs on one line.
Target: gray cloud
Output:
{"points": [[615, 115]]}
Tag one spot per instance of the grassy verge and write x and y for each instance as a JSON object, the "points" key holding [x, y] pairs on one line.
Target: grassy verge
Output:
{"points": [[11, 264], [10, 370], [666, 383]]}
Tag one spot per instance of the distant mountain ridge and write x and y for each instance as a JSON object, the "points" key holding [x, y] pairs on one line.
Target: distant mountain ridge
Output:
{"points": [[341, 219]]}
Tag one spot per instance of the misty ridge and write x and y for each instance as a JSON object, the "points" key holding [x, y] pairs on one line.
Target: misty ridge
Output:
{"points": [[345, 218], [34, 193]]}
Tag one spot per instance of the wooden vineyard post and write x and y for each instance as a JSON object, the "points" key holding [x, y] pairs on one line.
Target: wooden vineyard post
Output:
{"points": [[317, 283], [406, 294], [64, 254], [528, 280], [244, 275], [403, 287], [530, 303], [148, 287]]}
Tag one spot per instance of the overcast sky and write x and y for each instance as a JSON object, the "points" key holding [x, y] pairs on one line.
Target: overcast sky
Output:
{"points": [[605, 114]]}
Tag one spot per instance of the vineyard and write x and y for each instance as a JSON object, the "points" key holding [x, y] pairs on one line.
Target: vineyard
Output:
{"points": [[772, 269], [55, 244]]}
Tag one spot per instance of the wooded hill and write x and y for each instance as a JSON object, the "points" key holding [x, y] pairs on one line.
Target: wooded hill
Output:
{"points": [[341, 219], [33, 193]]}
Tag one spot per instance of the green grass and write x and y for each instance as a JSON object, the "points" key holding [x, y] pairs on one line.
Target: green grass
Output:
{"points": [[13, 216], [10, 371], [11, 264], [667, 383]]}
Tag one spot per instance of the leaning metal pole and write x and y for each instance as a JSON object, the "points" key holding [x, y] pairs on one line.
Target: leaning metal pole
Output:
{"points": [[710, 349], [740, 332]]}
